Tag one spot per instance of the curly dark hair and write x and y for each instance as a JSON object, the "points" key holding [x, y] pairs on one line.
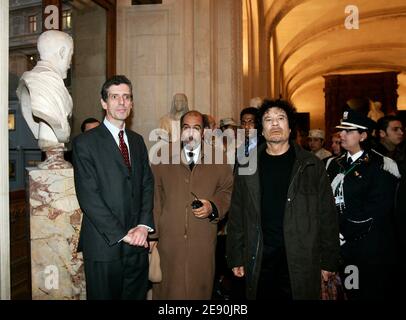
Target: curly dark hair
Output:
{"points": [[289, 109]]}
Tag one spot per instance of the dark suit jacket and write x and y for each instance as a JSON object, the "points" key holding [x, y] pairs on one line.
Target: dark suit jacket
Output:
{"points": [[112, 198]]}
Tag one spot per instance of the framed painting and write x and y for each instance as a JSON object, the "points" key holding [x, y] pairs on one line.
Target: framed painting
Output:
{"points": [[11, 120]]}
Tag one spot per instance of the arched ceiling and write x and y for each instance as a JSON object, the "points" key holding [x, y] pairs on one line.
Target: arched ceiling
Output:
{"points": [[312, 40]]}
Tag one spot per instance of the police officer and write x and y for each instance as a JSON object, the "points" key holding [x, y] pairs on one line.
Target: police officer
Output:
{"points": [[364, 184]]}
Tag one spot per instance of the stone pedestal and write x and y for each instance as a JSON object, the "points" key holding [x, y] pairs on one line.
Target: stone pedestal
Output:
{"points": [[55, 219]]}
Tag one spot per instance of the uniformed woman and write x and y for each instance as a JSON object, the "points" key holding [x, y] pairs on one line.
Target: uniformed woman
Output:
{"points": [[364, 184]]}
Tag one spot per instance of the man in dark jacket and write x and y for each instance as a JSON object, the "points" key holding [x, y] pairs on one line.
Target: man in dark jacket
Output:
{"points": [[114, 186], [390, 133], [283, 230]]}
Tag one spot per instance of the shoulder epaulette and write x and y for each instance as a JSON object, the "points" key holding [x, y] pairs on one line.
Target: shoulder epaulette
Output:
{"points": [[389, 165]]}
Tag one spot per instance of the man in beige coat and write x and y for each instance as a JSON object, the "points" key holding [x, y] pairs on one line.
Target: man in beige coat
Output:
{"points": [[186, 236]]}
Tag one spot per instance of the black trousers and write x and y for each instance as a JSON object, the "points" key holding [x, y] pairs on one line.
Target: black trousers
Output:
{"points": [[274, 281], [230, 287], [125, 279]]}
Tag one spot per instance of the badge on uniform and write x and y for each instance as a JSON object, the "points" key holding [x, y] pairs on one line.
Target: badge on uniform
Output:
{"points": [[339, 200], [357, 174]]}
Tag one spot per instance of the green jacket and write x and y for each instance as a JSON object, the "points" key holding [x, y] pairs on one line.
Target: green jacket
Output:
{"points": [[310, 226]]}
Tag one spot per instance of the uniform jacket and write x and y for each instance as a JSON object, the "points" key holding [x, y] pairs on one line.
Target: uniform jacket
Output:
{"points": [[186, 243], [112, 198], [366, 217], [310, 226]]}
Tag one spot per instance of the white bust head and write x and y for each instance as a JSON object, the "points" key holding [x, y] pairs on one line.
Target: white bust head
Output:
{"points": [[56, 47], [256, 102]]}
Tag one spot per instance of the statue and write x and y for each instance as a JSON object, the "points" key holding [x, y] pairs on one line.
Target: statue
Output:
{"points": [[45, 102], [170, 122], [256, 102], [375, 112]]}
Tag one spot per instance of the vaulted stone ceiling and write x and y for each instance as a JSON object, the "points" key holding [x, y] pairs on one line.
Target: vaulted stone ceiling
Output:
{"points": [[306, 39]]}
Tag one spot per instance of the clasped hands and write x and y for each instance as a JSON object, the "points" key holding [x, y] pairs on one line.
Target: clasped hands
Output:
{"points": [[137, 237]]}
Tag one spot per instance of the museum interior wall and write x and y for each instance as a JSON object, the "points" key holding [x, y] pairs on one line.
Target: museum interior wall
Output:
{"points": [[181, 46], [220, 53], [89, 63]]}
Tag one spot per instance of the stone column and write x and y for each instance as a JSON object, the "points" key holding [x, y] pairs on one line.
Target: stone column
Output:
{"points": [[4, 188], [55, 217]]}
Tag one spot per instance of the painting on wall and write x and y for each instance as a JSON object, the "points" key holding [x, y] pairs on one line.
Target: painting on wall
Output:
{"points": [[11, 120]]}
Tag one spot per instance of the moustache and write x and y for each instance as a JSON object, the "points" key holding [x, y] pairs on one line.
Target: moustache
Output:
{"points": [[188, 139]]}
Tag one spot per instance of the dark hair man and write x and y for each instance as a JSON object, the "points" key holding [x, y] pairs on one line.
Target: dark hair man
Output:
{"points": [[282, 230], [186, 226], [249, 121], [390, 134], [88, 124], [114, 186]]}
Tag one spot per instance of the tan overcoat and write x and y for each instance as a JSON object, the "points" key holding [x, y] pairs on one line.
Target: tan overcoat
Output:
{"points": [[186, 243]]}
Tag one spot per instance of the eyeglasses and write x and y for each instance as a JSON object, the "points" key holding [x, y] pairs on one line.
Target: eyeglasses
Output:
{"points": [[117, 97]]}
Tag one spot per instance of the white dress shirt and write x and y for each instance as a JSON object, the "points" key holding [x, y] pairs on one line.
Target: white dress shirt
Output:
{"points": [[196, 154], [355, 156], [115, 131]]}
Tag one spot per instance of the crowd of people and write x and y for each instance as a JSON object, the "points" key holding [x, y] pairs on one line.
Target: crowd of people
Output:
{"points": [[300, 214]]}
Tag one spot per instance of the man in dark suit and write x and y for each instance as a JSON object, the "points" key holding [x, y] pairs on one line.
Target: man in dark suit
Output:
{"points": [[114, 186]]}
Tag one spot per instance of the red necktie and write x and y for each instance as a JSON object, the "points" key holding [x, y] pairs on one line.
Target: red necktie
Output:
{"points": [[124, 149]]}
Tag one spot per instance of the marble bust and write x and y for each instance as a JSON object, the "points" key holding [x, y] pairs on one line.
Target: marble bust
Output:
{"points": [[45, 101], [256, 102], [375, 112], [170, 122]]}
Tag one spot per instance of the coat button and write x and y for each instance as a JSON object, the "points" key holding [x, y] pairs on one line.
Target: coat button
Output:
{"points": [[187, 180], [253, 257], [288, 199]]}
